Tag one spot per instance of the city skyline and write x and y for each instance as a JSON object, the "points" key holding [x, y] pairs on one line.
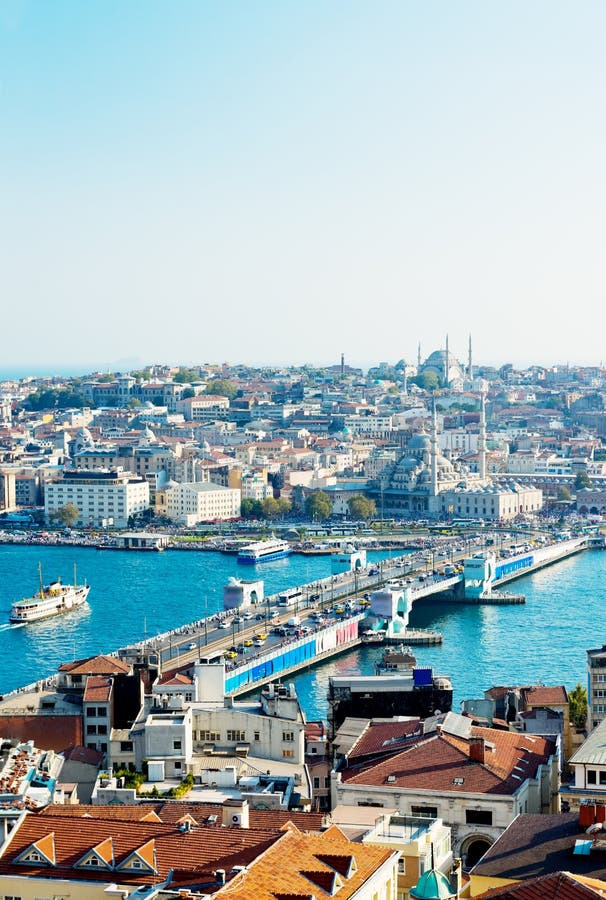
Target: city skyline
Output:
{"points": [[279, 185]]}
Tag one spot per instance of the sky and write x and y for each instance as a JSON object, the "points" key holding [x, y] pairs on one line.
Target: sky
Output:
{"points": [[282, 182]]}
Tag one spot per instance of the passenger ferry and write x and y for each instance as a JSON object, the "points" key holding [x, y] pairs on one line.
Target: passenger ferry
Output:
{"points": [[53, 599], [263, 551]]}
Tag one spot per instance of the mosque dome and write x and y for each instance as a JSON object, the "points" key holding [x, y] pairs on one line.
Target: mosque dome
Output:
{"points": [[84, 440], [432, 885], [419, 442]]}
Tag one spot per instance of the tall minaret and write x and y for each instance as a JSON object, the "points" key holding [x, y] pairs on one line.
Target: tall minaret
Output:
{"points": [[482, 438], [405, 378], [446, 364], [419, 356], [434, 450], [469, 363]]}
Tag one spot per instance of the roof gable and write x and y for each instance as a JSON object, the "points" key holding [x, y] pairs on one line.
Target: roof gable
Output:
{"points": [[141, 859], [41, 852], [100, 856]]}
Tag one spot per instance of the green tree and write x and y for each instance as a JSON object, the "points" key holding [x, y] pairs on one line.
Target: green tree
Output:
{"points": [[564, 493], [251, 509], [582, 480], [223, 387], [577, 706], [318, 506], [66, 515], [134, 403], [188, 393], [284, 506], [361, 507], [270, 508], [186, 376]]}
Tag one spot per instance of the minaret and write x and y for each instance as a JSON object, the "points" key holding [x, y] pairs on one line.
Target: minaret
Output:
{"points": [[446, 364], [482, 439], [469, 363], [342, 364], [419, 356], [405, 379], [434, 450]]}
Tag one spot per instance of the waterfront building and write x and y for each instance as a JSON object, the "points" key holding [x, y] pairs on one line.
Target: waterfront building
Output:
{"points": [[8, 491], [189, 503], [424, 482], [477, 780], [102, 498]]}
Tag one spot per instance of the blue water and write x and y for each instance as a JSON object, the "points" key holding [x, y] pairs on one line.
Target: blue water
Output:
{"points": [[133, 594], [542, 640]]}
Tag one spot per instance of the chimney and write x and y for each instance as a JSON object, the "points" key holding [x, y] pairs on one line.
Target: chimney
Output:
{"points": [[220, 876], [235, 813], [477, 749]]}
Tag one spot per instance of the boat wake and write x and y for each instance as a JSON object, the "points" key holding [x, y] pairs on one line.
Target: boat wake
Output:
{"points": [[12, 625]]}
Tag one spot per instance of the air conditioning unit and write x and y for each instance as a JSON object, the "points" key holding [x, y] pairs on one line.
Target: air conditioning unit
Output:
{"points": [[236, 819]]}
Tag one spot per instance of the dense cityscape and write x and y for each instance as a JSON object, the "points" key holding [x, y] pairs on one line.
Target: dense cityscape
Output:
{"points": [[185, 754]]}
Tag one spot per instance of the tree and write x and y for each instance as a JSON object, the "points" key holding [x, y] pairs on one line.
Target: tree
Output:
{"points": [[66, 515], [134, 403], [582, 480], [577, 706], [188, 393], [284, 506], [361, 507], [223, 387], [318, 506], [186, 376], [251, 509], [270, 508], [564, 493]]}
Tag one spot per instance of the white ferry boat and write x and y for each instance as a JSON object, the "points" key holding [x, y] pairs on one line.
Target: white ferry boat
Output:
{"points": [[262, 551], [52, 599]]}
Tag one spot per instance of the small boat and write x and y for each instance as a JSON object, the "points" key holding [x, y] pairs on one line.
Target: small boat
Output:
{"points": [[52, 599], [263, 551], [372, 637], [400, 660]]}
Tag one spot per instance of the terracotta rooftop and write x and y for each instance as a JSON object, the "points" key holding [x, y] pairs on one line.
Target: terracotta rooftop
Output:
{"points": [[96, 665], [172, 813], [381, 738], [175, 678], [98, 689], [308, 865], [561, 886], [442, 762], [543, 695], [160, 847]]}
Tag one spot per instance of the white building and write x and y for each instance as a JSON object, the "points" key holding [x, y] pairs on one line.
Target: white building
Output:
{"points": [[101, 497], [192, 502]]}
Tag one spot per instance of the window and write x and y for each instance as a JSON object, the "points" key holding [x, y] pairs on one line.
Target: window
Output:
{"points": [[235, 735], [316, 783], [257, 736], [210, 735], [288, 754], [177, 765], [401, 866], [102, 711], [424, 812], [102, 729], [591, 776], [327, 781], [478, 816], [602, 777], [288, 736], [126, 746], [91, 729], [176, 745], [189, 697]]}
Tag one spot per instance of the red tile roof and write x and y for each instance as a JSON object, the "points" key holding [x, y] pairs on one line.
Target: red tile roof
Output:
{"points": [[96, 665], [156, 844], [98, 689], [384, 737], [561, 886], [442, 762]]}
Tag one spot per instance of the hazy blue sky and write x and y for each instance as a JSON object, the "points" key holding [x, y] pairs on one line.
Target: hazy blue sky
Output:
{"points": [[285, 181]]}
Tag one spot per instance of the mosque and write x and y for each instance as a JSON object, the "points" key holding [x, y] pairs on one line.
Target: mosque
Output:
{"points": [[424, 483], [447, 368]]}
